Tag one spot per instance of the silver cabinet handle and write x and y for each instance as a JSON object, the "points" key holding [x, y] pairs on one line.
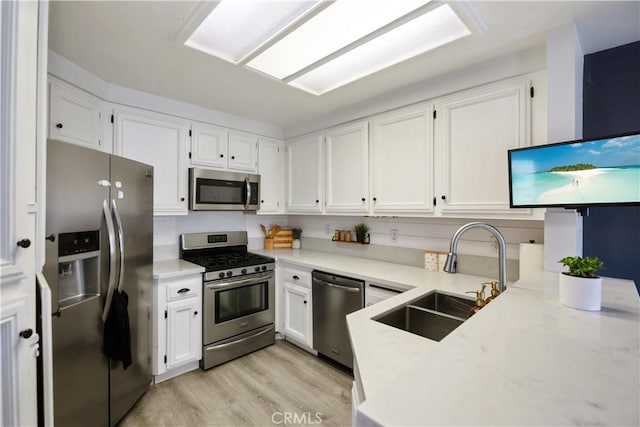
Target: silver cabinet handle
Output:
{"points": [[112, 259], [116, 215], [333, 285]]}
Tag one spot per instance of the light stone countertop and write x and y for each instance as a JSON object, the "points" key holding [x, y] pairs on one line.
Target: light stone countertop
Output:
{"points": [[174, 268], [522, 360]]}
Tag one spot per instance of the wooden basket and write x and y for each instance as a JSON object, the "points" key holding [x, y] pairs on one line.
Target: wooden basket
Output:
{"points": [[284, 239]]}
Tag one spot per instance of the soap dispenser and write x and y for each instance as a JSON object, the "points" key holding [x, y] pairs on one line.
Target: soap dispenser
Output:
{"points": [[480, 302], [494, 291]]}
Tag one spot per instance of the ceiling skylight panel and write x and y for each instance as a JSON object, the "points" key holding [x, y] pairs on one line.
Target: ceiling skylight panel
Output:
{"points": [[433, 29], [340, 24], [236, 27]]}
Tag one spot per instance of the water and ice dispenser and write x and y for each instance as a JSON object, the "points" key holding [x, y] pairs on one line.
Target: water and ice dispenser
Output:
{"points": [[78, 267]]}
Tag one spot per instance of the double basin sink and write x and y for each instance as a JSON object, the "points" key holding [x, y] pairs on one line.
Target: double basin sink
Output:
{"points": [[432, 316]]}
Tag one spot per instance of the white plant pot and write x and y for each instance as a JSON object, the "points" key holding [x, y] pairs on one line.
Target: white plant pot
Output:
{"points": [[295, 244], [580, 292]]}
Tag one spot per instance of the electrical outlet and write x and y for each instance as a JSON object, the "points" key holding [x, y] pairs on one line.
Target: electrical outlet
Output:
{"points": [[393, 234], [327, 229], [493, 241]]}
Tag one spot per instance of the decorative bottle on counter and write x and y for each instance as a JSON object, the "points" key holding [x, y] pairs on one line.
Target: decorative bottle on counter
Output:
{"points": [[480, 302]]}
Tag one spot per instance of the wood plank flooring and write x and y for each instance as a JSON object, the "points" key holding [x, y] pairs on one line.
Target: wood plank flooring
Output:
{"points": [[259, 389]]}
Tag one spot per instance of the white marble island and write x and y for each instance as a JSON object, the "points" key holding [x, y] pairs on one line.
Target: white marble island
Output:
{"points": [[522, 360]]}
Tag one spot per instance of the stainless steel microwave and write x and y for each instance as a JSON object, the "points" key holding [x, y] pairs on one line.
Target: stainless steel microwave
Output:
{"points": [[211, 190]]}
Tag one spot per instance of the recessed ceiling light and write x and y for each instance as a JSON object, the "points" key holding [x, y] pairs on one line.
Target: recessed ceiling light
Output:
{"points": [[236, 27], [436, 28], [319, 45], [340, 24]]}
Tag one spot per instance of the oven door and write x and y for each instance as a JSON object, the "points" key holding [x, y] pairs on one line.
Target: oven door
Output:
{"points": [[217, 190], [236, 305]]}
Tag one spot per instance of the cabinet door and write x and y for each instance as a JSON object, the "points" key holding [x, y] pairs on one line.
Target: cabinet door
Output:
{"points": [[183, 345], [402, 161], [347, 180], [209, 145], [160, 141], [243, 151], [304, 175], [74, 116], [474, 129], [297, 313], [19, 212], [270, 168]]}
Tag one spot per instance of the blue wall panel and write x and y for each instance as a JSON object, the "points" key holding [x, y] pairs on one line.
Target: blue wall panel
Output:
{"points": [[611, 105]]}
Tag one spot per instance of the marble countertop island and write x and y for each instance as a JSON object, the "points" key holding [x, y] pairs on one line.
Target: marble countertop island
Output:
{"points": [[522, 360]]}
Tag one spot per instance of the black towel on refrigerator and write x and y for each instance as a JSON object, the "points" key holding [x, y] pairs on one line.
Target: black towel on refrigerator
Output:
{"points": [[117, 336]]}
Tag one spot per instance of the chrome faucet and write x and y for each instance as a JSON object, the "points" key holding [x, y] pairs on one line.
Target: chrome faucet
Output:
{"points": [[450, 263]]}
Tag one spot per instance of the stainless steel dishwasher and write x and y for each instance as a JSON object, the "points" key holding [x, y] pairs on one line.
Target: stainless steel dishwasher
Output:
{"points": [[333, 298]]}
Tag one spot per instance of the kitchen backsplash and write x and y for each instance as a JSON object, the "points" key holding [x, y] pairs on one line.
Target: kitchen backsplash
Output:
{"points": [[477, 251]]}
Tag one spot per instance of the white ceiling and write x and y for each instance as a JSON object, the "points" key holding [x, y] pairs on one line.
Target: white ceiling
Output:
{"points": [[132, 44]]}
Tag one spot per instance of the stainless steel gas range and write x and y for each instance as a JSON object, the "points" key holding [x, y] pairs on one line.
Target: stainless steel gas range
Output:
{"points": [[238, 295]]}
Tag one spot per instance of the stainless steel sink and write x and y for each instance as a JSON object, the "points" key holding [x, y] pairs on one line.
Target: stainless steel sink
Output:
{"points": [[432, 316]]}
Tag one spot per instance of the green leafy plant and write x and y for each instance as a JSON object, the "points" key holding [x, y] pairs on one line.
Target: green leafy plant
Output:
{"points": [[297, 233], [582, 266], [361, 231]]}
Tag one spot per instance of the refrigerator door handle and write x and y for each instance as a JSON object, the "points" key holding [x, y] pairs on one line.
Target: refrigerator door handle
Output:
{"points": [[112, 259], [120, 236]]}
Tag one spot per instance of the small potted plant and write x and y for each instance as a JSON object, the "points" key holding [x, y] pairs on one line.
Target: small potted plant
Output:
{"points": [[581, 287], [297, 233], [361, 231]]}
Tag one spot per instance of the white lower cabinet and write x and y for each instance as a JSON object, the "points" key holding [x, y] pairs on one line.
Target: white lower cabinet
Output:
{"points": [[177, 326], [297, 312], [375, 293]]}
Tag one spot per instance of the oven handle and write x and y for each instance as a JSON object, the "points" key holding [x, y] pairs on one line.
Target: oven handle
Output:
{"points": [[220, 346], [257, 278]]}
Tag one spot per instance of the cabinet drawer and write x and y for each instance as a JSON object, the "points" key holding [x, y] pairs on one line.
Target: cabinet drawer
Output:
{"points": [[183, 289], [376, 293], [299, 277]]}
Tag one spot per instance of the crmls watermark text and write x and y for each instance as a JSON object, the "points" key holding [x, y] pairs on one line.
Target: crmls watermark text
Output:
{"points": [[296, 418]]}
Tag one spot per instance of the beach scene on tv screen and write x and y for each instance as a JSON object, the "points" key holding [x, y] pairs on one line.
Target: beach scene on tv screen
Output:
{"points": [[600, 171]]}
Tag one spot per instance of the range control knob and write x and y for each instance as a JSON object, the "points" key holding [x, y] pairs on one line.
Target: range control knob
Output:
{"points": [[243, 271], [264, 268], [229, 273], [221, 275], [257, 269]]}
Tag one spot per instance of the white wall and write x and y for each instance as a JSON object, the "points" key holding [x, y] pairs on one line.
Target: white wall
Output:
{"points": [[71, 73]]}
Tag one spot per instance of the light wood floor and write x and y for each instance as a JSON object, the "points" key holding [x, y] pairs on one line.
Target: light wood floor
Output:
{"points": [[259, 389]]}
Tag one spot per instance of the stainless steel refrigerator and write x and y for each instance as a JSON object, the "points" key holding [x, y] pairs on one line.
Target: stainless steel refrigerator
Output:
{"points": [[99, 231]]}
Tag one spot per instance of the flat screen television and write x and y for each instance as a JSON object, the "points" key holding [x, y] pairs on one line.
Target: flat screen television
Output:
{"points": [[576, 174]]}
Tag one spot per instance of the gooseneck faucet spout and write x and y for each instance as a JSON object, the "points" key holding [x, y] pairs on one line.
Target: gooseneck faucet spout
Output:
{"points": [[450, 263]]}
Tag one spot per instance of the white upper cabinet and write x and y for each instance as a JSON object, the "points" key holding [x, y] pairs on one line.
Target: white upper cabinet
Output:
{"points": [[271, 164], [347, 169], [402, 161], [74, 115], [162, 142], [243, 151], [209, 145], [220, 148], [473, 131], [304, 174]]}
